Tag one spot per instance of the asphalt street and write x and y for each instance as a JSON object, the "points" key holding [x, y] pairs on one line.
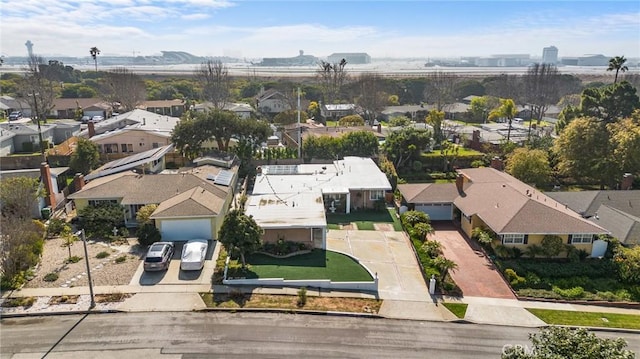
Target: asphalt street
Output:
{"points": [[241, 335]]}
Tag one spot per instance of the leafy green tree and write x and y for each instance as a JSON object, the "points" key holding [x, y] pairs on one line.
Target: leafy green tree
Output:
{"points": [[617, 64], [567, 343], [148, 234], [22, 245], [144, 213], [241, 234], [435, 119], [567, 115], [610, 103], [627, 261], [529, 166], [351, 121], [399, 121], [19, 196], [321, 147], [506, 110], [393, 100], [480, 107], [625, 143], [86, 156], [405, 145], [313, 109], [100, 219], [289, 117], [359, 143]]}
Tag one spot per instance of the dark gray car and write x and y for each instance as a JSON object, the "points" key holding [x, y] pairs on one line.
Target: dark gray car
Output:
{"points": [[158, 256]]}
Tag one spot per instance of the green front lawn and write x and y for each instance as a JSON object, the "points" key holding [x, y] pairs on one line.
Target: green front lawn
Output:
{"points": [[458, 309], [587, 319], [364, 220], [318, 264], [462, 152]]}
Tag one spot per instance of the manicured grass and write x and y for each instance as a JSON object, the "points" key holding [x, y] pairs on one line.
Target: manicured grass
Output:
{"points": [[365, 219], [318, 264], [587, 319], [458, 309], [238, 300], [333, 226], [462, 152]]}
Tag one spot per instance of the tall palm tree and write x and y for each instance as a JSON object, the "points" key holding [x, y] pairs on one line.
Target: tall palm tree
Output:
{"points": [[94, 54], [618, 64]]}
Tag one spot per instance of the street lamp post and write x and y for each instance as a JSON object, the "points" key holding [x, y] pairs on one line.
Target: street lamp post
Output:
{"points": [[86, 260]]}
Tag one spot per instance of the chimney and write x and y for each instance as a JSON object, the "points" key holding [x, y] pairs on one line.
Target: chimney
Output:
{"points": [[460, 183], [496, 163], [92, 129], [627, 182], [45, 177], [78, 182], [258, 170], [379, 128]]}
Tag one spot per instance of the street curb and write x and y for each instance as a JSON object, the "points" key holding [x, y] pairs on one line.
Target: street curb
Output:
{"points": [[50, 314], [600, 329], [294, 311]]}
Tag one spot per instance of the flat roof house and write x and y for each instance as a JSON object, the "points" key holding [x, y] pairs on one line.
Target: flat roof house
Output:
{"points": [[290, 201]]}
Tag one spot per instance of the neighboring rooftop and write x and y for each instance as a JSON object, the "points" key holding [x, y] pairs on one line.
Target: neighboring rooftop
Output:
{"points": [[287, 211]]}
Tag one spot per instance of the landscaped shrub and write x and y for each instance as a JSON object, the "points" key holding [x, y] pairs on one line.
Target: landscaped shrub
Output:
{"points": [[282, 247], [55, 227], [51, 277], [411, 218], [571, 293], [432, 248], [552, 245], [103, 254], [302, 297], [514, 278], [73, 259], [99, 220], [627, 261], [148, 234], [121, 259], [351, 120]]}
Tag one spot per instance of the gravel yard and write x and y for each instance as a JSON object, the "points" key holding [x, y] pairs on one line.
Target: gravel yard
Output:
{"points": [[104, 271]]}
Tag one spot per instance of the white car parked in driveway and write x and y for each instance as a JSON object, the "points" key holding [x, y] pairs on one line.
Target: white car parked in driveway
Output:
{"points": [[193, 255]]}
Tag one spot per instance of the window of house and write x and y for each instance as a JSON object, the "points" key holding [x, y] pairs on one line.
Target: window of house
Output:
{"points": [[130, 147], [111, 148], [581, 238], [513, 239], [95, 202], [124, 147], [155, 145], [376, 195]]}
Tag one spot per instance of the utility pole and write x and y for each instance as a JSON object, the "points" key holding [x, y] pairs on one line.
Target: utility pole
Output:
{"points": [[81, 234], [299, 129], [35, 105]]}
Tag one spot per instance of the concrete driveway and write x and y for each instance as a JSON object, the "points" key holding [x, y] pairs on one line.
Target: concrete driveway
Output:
{"points": [[476, 275], [174, 275], [387, 253]]}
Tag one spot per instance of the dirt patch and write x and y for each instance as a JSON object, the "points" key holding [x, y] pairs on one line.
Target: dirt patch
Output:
{"points": [[64, 299], [350, 226], [238, 300], [112, 297], [104, 271]]}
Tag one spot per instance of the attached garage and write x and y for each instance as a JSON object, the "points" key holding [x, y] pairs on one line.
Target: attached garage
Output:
{"points": [[437, 211], [185, 229]]}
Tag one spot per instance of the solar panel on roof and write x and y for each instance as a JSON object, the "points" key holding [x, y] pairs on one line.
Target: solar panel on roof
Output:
{"points": [[282, 169], [211, 177], [224, 178]]}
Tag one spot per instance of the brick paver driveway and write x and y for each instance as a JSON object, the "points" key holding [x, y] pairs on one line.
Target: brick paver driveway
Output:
{"points": [[476, 275]]}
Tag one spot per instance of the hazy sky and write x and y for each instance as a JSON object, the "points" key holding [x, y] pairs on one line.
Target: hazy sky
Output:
{"points": [[263, 28]]}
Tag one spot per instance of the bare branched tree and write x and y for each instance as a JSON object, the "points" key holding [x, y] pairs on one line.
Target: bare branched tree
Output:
{"points": [[371, 98], [332, 77], [213, 76], [123, 88], [541, 88], [503, 86], [440, 89]]}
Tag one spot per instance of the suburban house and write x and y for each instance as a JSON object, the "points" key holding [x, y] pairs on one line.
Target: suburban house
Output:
{"points": [[69, 108], [52, 180], [337, 111], [27, 136], [173, 108], [272, 101], [7, 146], [518, 213], [132, 132], [243, 110], [289, 202], [290, 132], [9, 104], [616, 211], [151, 161], [192, 202]]}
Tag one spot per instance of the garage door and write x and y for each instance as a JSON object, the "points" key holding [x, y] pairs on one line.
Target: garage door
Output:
{"points": [[185, 229], [437, 211]]}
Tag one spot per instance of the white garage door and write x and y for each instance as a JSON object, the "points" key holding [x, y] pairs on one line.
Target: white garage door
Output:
{"points": [[185, 229], [437, 211]]}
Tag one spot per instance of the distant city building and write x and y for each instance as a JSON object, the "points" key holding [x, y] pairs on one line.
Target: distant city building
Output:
{"points": [[550, 55], [593, 60], [504, 60], [354, 58], [300, 60]]}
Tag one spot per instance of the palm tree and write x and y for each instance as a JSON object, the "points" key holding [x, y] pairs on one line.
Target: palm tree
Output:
{"points": [[617, 63], [507, 109], [94, 51], [444, 265]]}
